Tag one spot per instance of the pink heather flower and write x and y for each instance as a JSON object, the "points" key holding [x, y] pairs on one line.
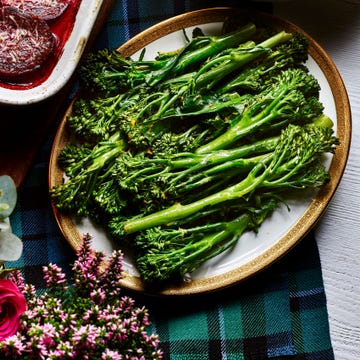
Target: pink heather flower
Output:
{"points": [[12, 306], [89, 262], [86, 336], [48, 336], [97, 295], [56, 354], [13, 345], [17, 278], [85, 319], [111, 355], [54, 276]]}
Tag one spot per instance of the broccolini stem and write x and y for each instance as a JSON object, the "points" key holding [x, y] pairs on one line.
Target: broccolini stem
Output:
{"points": [[204, 47], [244, 125], [236, 60], [211, 245], [113, 147], [170, 102], [323, 120], [154, 99], [178, 211], [187, 171], [187, 160], [100, 154], [229, 55], [298, 148], [227, 169], [216, 44]]}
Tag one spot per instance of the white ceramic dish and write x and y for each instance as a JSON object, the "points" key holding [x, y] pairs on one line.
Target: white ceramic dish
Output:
{"points": [[280, 232], [85, 19]]}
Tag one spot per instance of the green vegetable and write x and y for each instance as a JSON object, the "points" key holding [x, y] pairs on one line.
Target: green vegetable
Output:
{"points": [[172, 253], [153, 97], [218, 68], [292, 97], [167, 178], [75, 195], [96, 119], [107, 71], [294, 163], [178, 156], [253, 77]]}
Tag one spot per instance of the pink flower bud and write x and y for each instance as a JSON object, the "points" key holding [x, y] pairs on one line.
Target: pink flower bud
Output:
{"points": [[12, 305]]}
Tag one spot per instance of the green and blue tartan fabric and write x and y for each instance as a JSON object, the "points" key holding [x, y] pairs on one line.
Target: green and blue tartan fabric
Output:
{"points": [[278, 314]]}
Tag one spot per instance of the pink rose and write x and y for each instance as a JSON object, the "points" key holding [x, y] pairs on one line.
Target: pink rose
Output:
{"points": [[12, 305]]}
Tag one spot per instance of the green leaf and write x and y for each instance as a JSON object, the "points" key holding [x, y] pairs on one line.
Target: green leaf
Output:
{"points": [[8, 196], [10, 246]]}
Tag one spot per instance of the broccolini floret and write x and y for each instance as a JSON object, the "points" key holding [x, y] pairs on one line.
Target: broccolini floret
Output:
{"points": [[291, 97], [107, 71], [76, 194], [253, 78], [173, 253]]}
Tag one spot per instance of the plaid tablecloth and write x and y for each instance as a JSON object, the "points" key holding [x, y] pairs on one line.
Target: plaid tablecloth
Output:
{"points": [[279, 314]]}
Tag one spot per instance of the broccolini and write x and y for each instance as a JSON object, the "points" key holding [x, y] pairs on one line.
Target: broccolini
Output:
{"points": [[178, 156], [294, 163]]}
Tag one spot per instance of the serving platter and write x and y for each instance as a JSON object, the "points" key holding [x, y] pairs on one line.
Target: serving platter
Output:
{"points": [[284, 229], [89, 18]]}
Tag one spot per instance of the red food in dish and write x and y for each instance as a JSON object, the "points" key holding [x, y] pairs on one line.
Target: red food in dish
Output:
{"points": [[25, 43], [44, 9]]}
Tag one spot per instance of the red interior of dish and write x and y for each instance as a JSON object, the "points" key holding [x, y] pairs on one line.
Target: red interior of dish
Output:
{"points": [[61, 27]]}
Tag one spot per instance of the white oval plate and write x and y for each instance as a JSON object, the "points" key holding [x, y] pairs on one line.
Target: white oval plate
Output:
{"points": [[282, 230]]}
